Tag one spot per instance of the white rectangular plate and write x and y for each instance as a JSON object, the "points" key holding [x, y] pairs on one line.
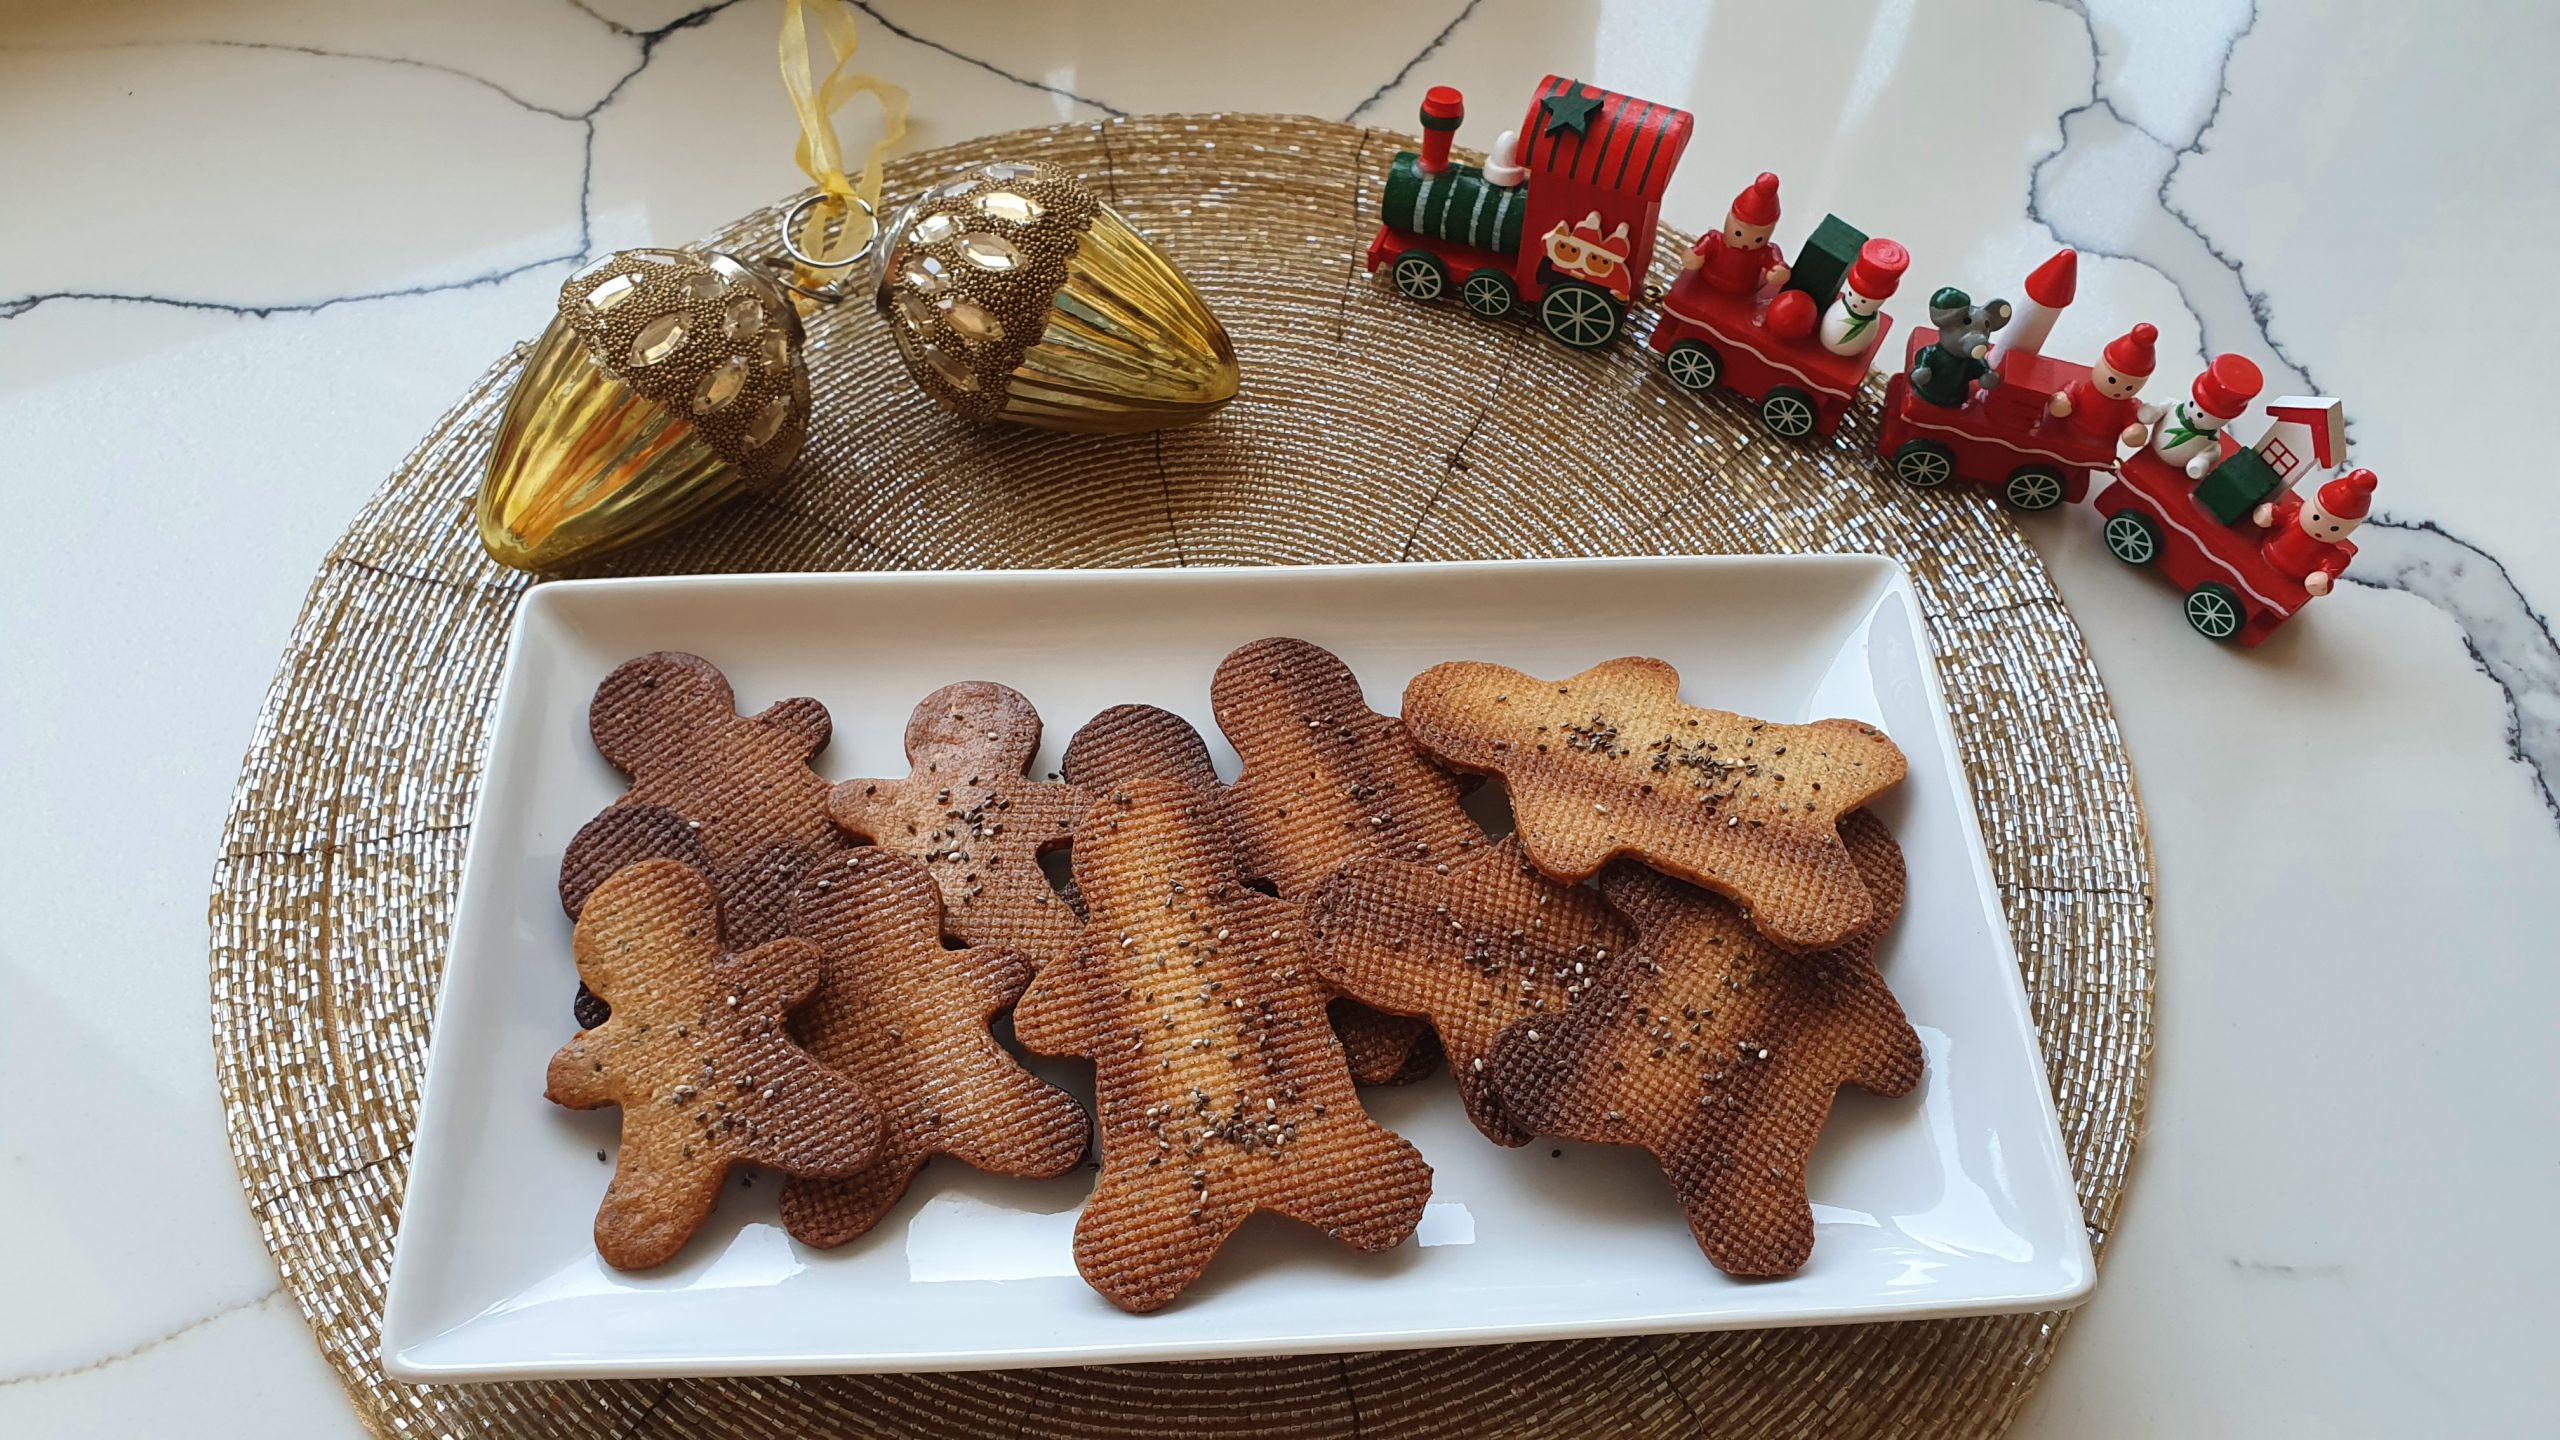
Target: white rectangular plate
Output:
{"points": [[1955, 1200]]}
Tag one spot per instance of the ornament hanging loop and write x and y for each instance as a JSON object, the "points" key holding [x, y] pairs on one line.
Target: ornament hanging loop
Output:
{"points": [[834, 291]]}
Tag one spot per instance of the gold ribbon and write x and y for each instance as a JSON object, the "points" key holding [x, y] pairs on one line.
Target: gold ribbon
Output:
{"points": [[817, 99]]}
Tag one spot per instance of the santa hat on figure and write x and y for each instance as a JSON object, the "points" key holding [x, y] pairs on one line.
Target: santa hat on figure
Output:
{"points": [[1754, 212], [2312, 548], [2191, 436]]}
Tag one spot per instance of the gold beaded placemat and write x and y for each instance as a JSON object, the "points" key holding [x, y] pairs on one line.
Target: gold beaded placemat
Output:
{"points": [[1370, 429]]}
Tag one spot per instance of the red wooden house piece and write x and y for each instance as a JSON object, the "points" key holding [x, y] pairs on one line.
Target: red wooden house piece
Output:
{"points": [[1559, 220]]}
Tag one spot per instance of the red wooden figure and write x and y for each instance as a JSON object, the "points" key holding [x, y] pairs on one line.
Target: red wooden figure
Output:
{"points": [[1558, 221]]}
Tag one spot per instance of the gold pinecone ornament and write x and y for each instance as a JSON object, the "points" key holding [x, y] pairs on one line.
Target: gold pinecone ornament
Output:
{"points": [[670, 382], [667, 383], [1015, 294]]}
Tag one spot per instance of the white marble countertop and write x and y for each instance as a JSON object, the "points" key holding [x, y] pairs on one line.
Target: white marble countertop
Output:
{"points": [[248, 253]]}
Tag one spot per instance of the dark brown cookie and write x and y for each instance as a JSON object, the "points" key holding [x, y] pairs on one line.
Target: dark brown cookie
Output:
{"points": [[730, 795], [697, 1057], [1720, 1053], [1220, 1088], [1325, 778], [1610, 763], [909, 1019], [968, 812], [1490, 941], [1138, 742]]}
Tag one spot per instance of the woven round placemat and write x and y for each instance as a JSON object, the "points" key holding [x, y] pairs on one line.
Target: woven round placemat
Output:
{"points": [[1369, 430]]}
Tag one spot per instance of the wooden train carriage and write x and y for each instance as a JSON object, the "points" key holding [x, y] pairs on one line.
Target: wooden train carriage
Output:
{"points": [[2151, 519], [1562, 225], [1999, 437], [1708, 338]]}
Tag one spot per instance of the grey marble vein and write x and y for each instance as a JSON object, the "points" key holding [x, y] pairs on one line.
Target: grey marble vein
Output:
{"points": [[647, 41], [998, 71], [1426, 52], [2077, 191]]}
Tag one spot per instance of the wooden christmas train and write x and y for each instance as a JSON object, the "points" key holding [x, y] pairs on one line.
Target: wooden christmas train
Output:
{"points": [[1558, 225]]}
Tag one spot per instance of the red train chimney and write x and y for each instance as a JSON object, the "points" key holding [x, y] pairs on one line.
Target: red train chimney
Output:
{"points": [[1442, 108]]}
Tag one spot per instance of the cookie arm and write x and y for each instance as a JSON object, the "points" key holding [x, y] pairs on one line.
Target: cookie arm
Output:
{"points": [[776, 977], [863, 808], [1051, 1018], [1890, 1061], [992, 975], [577, 1077]]}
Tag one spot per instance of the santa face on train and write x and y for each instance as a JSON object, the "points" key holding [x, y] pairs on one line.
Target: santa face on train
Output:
{"points": [[2319, 524]]}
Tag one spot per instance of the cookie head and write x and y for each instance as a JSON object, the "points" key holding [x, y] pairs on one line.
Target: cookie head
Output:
{"points": [[1138, 742], [652, 703], [973, 723]]}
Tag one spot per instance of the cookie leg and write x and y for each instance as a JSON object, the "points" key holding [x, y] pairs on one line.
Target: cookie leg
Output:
{"points": [[1377, 1046], [1142, 1241], [826, 1213], [654, 1204], [1372, 1201], [1749, 1214], [1821, 901]]}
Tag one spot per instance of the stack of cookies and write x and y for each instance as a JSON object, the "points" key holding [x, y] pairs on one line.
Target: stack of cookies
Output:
{"points": [[1673, 948]]}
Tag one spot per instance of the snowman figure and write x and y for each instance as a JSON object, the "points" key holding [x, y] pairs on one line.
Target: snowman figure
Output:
{"points": [[2308, 539], [1849, 328], [2191, 436]]}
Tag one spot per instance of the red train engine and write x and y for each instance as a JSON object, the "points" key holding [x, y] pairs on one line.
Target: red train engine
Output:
{"points": [[1580, 182], [2006, 415], [1794, 341]]}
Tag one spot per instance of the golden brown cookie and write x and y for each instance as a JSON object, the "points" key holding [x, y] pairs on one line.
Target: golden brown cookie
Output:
{"points": [[1136, 742], [1326, 778], [1720, 1053], [697, 1057], [1610, 763], [967, 810], [730, 795], [1491, 941], [1220, 1089], [909, 1019]]}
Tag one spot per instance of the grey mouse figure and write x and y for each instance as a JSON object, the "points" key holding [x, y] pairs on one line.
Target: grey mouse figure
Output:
{"points": [[1941, 374]]}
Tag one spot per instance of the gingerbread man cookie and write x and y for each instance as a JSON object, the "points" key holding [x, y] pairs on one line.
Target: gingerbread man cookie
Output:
{"points": [[1135, 742], [1220, 1089], [1610, 762], [968, 812], [909, 1018], [1720, 1053], [697, 1057]]}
